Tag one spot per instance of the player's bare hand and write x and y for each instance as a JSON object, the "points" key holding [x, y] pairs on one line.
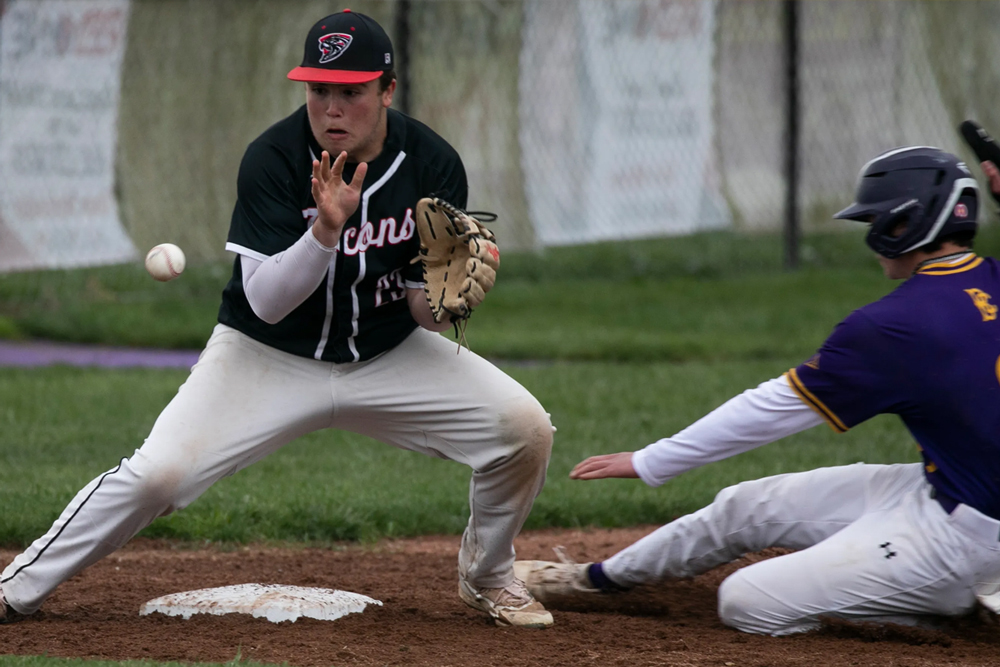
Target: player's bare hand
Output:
{"points": [[992, 175], [605, 465], [336, 200]]}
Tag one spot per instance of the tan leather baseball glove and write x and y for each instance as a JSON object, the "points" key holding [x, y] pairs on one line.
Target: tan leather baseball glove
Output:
{"points": [[460, 259]]}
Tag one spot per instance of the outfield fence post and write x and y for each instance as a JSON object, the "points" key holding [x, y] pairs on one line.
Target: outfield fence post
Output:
{"points": [[791, 44], [402, 30]]}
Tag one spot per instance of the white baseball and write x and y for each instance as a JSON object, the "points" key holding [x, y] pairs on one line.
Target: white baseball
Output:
{"points": [[165, 262]]}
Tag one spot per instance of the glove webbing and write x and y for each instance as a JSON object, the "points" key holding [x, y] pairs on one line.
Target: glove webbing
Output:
{"points": [[460, 326], [481, 216]]}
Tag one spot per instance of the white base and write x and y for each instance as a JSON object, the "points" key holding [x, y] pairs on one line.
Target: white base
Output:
{"points": [[276, 603]]}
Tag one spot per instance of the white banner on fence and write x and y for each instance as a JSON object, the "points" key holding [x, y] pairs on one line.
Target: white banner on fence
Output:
{"points": [[616, 119], [60, 72]]}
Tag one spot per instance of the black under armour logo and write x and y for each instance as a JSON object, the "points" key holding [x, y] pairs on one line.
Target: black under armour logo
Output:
{"points": [[889, 553]]}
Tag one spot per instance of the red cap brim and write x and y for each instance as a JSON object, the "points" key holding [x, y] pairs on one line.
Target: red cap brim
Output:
{"points": [[319, 75]]}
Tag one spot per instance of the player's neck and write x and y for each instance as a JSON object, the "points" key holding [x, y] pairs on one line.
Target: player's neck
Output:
{"points": [[948, 250], [904, 266]]}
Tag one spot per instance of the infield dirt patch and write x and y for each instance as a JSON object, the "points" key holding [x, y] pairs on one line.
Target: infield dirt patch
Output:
{"points": [[423, 623]]}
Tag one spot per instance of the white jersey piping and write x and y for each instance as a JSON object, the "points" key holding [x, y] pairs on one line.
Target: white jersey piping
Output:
{"points": [[246, 252], [328, 318]]}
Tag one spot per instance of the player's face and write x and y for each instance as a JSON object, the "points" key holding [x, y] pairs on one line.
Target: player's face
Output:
{"points": [[898, 268], [902, 267], [349, 117]]}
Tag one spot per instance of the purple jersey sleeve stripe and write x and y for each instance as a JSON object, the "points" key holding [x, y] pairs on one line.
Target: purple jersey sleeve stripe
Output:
{"points": [[826, 413], [944, 269]]}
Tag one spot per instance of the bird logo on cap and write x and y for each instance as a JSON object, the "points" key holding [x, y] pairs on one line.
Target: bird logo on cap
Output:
{"points": [[332, 46]]}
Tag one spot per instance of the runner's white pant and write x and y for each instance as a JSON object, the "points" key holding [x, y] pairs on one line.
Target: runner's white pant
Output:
{"points": [[244, 400], [873, 544]]}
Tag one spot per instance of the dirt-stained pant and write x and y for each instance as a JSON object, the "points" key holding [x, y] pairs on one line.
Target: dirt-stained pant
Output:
{"points": [[873, 544], [244, 400]]}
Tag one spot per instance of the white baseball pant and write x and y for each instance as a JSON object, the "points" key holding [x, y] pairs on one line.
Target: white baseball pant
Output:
{"points": [[244, 400], [873, 544]]}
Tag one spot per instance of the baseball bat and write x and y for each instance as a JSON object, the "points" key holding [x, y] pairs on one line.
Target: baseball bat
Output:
{"points": [[982, 144]]}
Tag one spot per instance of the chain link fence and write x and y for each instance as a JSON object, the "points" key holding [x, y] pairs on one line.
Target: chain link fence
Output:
{"points": [[578, 120]]}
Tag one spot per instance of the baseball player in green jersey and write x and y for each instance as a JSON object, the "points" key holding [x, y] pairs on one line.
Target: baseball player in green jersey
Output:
{"points": [[325, 324]]}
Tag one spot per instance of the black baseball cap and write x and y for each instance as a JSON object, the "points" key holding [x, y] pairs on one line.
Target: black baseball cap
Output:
{"points": [[345, 48]]}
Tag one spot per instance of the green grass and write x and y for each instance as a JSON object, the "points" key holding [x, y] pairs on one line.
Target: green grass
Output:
{"points": [[631, 342], [635, 341], [761, 316], [713, 296], [60, 427], [669, 299], [113, 305], [633, 319], [636, 319]]}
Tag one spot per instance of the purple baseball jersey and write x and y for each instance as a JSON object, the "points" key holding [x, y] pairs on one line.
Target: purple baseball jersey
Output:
{"points": [[929, 352]]}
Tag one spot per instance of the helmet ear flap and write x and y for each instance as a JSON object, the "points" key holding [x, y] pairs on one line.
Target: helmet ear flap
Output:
{"points": [[897, 228]]}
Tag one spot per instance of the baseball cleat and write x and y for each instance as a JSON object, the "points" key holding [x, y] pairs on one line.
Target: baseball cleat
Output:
{"points": [[7, 613], [547, 579], [512, 605]]}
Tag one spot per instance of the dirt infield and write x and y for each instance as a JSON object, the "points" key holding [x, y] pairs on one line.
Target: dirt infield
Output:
{"points": [[423, 622]]}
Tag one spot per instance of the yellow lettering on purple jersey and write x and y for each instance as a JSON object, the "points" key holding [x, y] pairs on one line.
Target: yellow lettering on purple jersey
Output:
{"points": [[982, 301]]}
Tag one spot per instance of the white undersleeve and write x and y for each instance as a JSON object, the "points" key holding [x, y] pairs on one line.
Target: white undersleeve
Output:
{"points": [[756, 417], [279, 284]]}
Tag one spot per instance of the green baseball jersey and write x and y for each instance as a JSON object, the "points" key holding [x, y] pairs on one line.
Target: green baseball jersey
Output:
{"points": [[360, 309]]}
